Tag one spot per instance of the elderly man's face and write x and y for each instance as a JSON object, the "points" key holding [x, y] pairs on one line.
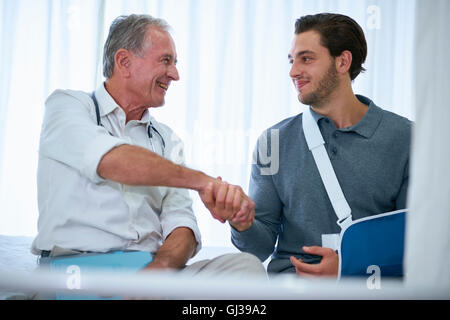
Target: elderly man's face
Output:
{"points": [[154, 69]]}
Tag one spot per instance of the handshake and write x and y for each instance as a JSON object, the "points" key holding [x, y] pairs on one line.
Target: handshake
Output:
{"points": [[228, 202]]}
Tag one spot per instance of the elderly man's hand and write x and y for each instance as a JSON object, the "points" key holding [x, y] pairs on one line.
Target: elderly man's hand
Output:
{"points": [[228, 203]]}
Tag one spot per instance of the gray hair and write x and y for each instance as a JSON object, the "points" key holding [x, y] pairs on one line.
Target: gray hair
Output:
{"points": [[128, 32]]}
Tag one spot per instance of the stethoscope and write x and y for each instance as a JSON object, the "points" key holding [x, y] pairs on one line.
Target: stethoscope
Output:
{"points": [[150, 127]]}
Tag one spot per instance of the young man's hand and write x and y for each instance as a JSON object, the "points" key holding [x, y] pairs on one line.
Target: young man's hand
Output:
{"points": [[328, 266], [228, 202]]}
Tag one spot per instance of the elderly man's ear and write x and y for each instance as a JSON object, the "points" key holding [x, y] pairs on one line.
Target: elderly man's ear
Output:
{"points": [[122, 64]]}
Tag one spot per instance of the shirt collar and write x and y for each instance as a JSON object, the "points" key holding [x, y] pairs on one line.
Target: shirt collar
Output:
{"points": [[106, 104], [368, 124]]}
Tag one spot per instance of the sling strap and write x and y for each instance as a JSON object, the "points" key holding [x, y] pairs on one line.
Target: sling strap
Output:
{"points": [[316, 145]]}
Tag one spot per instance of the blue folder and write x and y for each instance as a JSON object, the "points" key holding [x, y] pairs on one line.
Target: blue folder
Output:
{"points": [[116, 261]]}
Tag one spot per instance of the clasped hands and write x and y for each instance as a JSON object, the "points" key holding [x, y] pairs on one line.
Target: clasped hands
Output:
{"points": [[228, 202]]}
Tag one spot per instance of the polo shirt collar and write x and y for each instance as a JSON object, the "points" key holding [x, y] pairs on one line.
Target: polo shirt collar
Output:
{"points": [[367, 126], [107, 104]]}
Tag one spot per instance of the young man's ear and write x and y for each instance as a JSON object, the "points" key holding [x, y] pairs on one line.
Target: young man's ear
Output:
{"points": [[344, 62], [122, 62]]}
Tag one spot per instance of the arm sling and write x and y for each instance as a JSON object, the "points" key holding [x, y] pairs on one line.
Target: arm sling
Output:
{"points": [[376, 241]]}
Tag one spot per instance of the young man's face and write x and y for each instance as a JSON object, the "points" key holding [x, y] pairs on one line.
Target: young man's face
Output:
{"points": [[153, 70], [313, 70]]}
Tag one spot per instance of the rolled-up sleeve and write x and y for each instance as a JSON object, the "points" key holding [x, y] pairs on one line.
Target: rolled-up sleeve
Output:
{"points": [[71, 136], [177, 212]]}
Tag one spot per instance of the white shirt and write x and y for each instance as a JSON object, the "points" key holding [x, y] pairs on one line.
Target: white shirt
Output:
{"points": [[78, 209]]}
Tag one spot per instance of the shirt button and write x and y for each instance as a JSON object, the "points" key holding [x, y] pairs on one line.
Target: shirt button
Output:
{"points": [[335, 135], [327, 120], [334, 150]]}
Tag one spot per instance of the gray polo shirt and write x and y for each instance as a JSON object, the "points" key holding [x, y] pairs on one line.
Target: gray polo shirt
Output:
{"points": [[371, 161]]}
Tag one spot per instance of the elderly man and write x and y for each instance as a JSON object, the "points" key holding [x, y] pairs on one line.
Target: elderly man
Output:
{"points": [[110, 177]]}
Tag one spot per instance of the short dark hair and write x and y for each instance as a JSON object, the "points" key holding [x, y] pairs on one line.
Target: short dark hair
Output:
{"points": [[338, 33]]}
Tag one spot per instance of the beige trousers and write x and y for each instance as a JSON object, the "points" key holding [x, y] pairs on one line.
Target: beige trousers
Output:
{"points": [[241, 265]]}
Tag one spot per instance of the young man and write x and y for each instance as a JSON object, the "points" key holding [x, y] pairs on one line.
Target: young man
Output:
{"points": [[368, 148], [110, 177]]}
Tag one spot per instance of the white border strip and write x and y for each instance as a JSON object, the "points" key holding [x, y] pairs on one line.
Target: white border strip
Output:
{"points": [[171, 285]]}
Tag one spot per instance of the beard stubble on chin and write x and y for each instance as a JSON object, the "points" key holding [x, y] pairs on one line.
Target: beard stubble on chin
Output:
{"points": [[325, 87]]}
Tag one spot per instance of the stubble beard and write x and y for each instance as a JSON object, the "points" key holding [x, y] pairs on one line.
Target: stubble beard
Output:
{"points": [[325, 87]]}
